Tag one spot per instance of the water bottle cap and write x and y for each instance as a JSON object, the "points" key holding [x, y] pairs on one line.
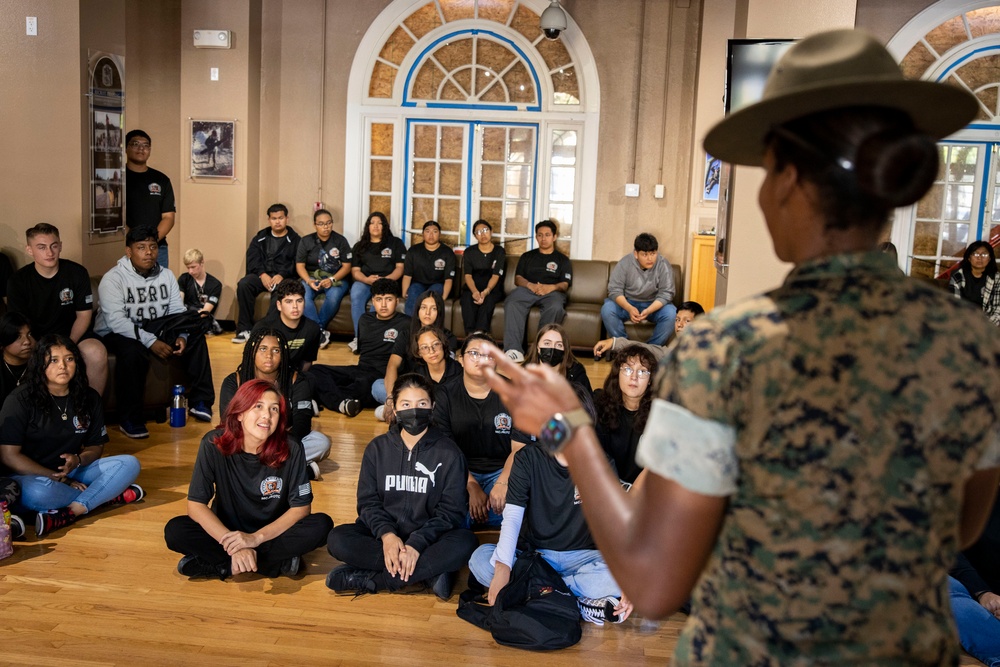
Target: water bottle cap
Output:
{"points": [[178, 389]]}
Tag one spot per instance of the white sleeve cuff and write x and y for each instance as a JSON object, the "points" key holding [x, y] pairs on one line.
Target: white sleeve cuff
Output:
{"points": [[697, 453], [991, 455], [513, 516]]}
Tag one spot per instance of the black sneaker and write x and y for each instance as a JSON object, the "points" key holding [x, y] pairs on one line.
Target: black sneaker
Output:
{"points": [[132, 494], [324, 339], [135, 430], [349, 579], [46, 522], [16, 527], [290, 567], [201, 411], [194, 567], [350, 407], [312, 468], [442, 585]]}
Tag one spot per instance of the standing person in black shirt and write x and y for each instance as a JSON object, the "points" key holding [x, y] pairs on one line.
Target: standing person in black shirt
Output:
{"points": [[347, 389], [483, 266], [18, 344], [429, 266], [623, 405], [542, 278], [149, 196], [270, 259], [302, 334], [378, 254], [200, 289], [551, 347], [323, 262], [411, 503], [471, 414], [254, 474], [56, 297]]}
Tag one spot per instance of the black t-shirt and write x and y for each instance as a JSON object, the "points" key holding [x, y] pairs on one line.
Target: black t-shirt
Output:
{"points": [[452, 372], [549, 269], [195, 295], [10, 375], [380, 259], [402, 348], [621, 443], [6, 271], [553, 515], [325, 257], [429, 266], [483, 266], [480, 427], [50, 304], [43, 435], [376, 339], [148, 195], [300, 403], [303, 340], [248, 495]]}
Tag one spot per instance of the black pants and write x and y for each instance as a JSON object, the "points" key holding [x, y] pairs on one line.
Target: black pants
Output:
{"points": [[333, 384], [247, 290], [479, 318], [185, 536], [355, 545], [132, 365]]}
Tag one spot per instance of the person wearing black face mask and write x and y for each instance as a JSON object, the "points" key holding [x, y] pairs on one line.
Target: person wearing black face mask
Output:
{"points": [[412, 499], [552, 349]]}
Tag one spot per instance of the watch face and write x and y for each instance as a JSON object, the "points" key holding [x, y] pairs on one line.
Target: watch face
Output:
{"points": [[553, 433]]}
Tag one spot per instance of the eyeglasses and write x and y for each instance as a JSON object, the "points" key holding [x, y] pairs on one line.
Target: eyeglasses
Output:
{"points": [[628, 372], [481, 231], [433, 347], [980, 255], [139, 146], [476, 355], [324, 224]]}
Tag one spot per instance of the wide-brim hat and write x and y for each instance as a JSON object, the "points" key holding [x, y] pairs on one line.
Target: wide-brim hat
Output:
{"points": [[834, 70]]}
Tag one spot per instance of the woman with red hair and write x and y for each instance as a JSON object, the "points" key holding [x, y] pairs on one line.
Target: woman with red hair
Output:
{"points": [[255, 476]]}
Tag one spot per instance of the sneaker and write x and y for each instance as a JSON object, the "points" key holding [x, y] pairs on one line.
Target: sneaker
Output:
{"points": [[380, 413], [241, 337], [135, 430], [16, 527], [290, 567], [350, 407], [194, 567], [324, 339], [353, 345], [132, 494], [599, 610], [515, 355], [46, 522], [442, 585], [313, 469], [201, 411], [350, 579]]}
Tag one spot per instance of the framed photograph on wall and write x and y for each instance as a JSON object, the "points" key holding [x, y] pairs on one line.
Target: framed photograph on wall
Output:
{"points": [[213, 149]]}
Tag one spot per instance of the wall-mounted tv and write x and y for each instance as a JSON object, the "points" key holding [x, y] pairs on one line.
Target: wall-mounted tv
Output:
{"points": [[748, 63]]}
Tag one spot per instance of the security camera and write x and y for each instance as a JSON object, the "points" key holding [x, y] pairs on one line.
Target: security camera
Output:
{"points": [[553, 20]]}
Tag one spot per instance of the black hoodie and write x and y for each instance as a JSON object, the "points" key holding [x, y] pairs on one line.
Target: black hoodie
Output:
{"points": [[417, 494]]}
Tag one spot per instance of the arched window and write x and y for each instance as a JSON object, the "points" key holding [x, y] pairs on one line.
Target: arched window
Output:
{"points": [[462, 109]]}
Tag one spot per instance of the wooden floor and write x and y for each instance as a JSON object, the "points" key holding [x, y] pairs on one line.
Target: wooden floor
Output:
{"points": [[106, 591]]}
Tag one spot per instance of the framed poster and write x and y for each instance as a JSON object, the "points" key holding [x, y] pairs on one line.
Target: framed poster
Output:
{"points": [[712, 168], [107, 163], [212, 149]]}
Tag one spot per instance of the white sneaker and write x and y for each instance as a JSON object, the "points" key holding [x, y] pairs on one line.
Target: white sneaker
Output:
{"points": [[313, 469], [515, 355], [241, 337], [380, 413], [324, 339], [353, 345], [599, 610]]}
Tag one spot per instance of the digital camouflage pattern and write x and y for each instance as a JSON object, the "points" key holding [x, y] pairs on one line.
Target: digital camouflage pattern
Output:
{"points": [[861, 401]]}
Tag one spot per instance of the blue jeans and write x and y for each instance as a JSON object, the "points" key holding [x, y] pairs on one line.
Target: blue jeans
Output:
{"points": [[978, 629], [414, 292], [333, 295], [584, 570], [614, 318], [361, 294], [378, 391], [486, 481], [163, 256], [105, 478]]}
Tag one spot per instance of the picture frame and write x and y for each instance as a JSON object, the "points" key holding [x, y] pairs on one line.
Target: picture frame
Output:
{"points": [[213, 149]]}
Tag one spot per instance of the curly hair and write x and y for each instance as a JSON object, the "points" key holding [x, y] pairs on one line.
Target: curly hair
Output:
{"points": [[37, 383], [274, 452], [610, 403]]}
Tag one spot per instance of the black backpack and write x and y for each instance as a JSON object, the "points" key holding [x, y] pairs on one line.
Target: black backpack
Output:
{"points": [[534, 611]]}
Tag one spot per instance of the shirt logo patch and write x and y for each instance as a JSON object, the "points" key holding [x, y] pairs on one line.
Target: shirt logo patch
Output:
{"points": [[81, 423], [551, 267], [502, 422], [89, 298], [66, 296], [425, 470], [386, 253], [155, 189], [576, 495], [439, 265], [305, 489], [390, 335], [568, 275], [335, 253], [270, 488]]}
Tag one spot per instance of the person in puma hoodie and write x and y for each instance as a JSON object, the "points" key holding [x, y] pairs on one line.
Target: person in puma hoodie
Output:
{"points": [[412, 500]]}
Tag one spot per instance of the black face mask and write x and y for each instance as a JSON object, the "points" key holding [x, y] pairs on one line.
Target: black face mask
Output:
{"points": [[551, 356], [414, 420]]}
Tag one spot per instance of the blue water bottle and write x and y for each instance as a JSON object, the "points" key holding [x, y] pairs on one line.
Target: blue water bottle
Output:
{"points": [[178, 408]]}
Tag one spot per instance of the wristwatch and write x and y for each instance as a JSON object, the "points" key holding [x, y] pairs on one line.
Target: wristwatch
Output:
{"points": [[558, 430]]}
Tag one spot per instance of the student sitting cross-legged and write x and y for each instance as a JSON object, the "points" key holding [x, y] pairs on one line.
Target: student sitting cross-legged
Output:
{"points": [[411, 504], [254, 475], [302, 334]]}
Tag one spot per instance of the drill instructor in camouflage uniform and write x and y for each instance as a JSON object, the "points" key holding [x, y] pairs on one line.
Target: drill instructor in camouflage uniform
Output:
{"points": [[818, 454]]}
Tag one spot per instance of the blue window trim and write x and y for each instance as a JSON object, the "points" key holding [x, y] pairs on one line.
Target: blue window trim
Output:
{"points": [[987, 165], [446, 105]]}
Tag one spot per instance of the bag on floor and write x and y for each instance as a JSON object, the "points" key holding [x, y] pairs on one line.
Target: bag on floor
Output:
{"points": [[534, 611], [170, 327]]}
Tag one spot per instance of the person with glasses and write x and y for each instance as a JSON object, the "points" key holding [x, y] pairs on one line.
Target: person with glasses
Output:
{"points": [[472, 414], [323, 262], [622, 407], [431, 357], [483, 267], [552, 349], [429, 266], [976, 281], [149, 196]]}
